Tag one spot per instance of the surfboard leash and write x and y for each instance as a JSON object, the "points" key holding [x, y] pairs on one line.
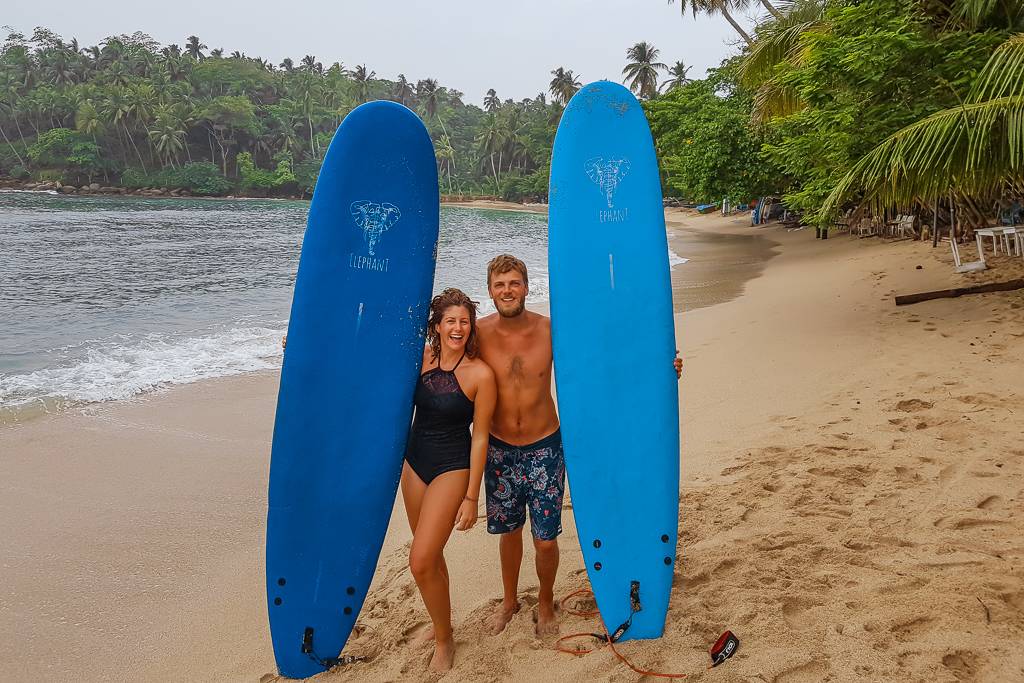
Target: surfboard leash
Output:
{"points": [[604, 636], [326, 662]]}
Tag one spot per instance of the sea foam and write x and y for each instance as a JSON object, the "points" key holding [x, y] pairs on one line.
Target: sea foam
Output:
{"points": [[111, 371]]}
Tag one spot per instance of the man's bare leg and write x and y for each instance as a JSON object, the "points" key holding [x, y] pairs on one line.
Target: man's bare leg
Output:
{"points": [[510, 548], [547, 568]]}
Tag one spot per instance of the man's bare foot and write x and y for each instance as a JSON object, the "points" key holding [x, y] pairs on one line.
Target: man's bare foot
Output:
{"points": [[497, 622], [444, 656], [547, 619]]}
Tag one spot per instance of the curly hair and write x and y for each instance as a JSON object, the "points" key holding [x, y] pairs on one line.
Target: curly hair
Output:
{"points": [[441, 303], [503, 263]]}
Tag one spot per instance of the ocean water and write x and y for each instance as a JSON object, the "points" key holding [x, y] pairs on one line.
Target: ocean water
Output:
{"points": [[104, 298]]}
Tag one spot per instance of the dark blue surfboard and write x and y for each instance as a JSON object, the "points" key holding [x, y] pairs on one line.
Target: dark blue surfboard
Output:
{"points": [[355, 345], [613, 338]]}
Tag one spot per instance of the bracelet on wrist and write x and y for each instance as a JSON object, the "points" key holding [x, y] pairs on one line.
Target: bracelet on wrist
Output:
{"points": [[471, 500]]}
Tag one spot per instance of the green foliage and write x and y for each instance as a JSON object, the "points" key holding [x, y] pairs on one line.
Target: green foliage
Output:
{"points": [[865, 71], [150, 109], [68, 152], [19, 172], [708, 150], [202, 178], [532, 187], [263, 181], [52, 147]]}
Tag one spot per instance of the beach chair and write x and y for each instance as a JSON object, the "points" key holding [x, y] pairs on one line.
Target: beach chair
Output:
{"points": [[903, 226], [971, 267]]}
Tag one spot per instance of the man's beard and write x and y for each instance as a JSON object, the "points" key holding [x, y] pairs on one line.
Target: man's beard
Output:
{"points": [[519, 306]]}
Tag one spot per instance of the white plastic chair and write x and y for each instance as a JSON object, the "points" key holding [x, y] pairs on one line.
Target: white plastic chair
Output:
{"points": [[971, 267]]}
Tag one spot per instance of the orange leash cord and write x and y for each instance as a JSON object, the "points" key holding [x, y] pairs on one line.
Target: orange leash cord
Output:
{"points": [[607, 639]]}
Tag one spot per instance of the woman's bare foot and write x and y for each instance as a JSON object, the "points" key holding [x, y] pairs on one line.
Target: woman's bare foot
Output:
{"points": [[497, 622], [547, 619], [444, 656]]}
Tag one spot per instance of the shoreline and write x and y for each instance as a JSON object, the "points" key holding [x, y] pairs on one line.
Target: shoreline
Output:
{"points": [[101, 190], [850, 472]]}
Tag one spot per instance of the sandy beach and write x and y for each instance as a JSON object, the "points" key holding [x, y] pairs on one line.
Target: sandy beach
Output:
{"points": [[852, 499]]}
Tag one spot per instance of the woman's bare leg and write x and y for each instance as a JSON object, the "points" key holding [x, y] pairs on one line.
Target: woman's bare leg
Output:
{"points": [[435, 520]]}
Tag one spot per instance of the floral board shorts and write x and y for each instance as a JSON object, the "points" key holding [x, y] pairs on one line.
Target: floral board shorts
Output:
{"points": [[531, 477]]}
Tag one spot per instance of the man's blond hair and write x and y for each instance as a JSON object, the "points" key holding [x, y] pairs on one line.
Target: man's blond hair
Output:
{"points": [[503, 263]]}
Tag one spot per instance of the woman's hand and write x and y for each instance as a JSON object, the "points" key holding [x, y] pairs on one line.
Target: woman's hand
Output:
{"points": [[466, 517]]}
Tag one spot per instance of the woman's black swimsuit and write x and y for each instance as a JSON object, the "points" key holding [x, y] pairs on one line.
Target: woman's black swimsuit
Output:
{"points": [[440, 439]]}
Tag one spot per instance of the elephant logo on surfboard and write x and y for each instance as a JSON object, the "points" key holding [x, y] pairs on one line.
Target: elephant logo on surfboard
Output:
{"points": [[374, 219], [607, 173]]}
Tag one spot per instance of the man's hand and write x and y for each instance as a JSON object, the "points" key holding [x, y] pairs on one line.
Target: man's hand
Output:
{"points": [[678, 365], [284, 342], [466, 517]]}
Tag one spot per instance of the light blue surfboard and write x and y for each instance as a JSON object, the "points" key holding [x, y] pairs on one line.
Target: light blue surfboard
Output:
{"points": [[614, 341], [355, 345]]}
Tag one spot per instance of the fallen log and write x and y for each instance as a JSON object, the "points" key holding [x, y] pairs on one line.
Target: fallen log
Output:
{"points": [[959, 291]]}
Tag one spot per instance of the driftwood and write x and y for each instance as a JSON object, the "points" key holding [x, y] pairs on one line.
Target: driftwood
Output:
{"points": [[960, 291]]}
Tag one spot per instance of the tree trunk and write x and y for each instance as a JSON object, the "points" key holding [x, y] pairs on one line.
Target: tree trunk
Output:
{"points": [[493, 172], [771, 8], [739, 29], [20, 134], [8, 141], [137, 152]]}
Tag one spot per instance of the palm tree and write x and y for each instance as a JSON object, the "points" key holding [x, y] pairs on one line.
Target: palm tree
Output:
{"points": [[195, 48], [720, 7], [490, 140], [217, 53], [167, 135], [362, 79], [973, 150], [429, 95], [404, 93], [564, 85], [492, 102], [310, 65], [778, 41], [678, 79], [446, 159], [287, 64], [8, 106], [642, 72]]}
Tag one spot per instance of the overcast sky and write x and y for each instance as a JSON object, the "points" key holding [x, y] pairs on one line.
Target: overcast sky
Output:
{"points": [[468, 45]]}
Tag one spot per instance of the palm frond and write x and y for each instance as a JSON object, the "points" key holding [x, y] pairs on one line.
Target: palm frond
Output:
{"points": [[780, 40], [774, 99], [976, 150], [1003, 74]]}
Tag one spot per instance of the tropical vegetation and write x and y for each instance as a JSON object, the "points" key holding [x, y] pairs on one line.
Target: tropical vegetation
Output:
{"points": [[871, 106], [876, 107], [134, 113]]}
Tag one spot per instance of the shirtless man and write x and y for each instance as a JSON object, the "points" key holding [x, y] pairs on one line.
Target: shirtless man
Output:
{"points": [[525, 467]]}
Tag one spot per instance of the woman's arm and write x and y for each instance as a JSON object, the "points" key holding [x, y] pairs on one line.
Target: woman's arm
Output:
{"points": [[483, 409]]}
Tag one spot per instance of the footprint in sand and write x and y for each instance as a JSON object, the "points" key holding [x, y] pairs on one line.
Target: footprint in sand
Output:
{"points": [[913, 405], [812, 671], [963, 664], [417, 635], [794, 610], [990, 503], [911, 629]]}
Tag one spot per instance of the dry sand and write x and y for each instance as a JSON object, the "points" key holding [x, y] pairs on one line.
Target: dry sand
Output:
{"points": [[852, 498]]}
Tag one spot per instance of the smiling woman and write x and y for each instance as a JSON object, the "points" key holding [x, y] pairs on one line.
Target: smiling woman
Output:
{"points": [[443, 461]]}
